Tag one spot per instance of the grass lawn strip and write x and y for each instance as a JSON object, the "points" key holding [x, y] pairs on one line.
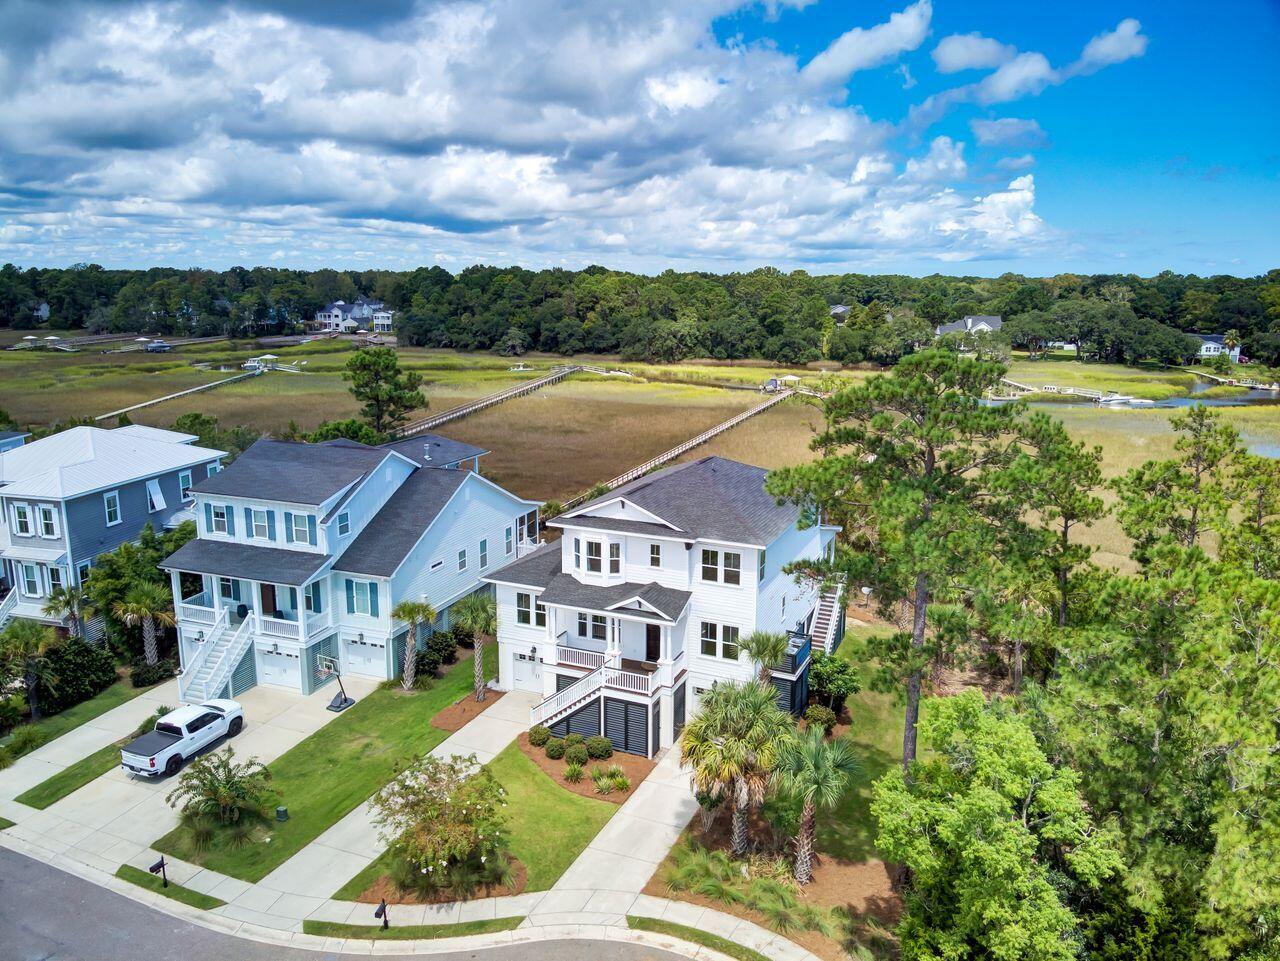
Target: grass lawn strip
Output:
{"points": [[127, 872], [56, 725], [548, 826], [412, 932], [324, 777], [695, 936], [70, 779], [5, 823]]}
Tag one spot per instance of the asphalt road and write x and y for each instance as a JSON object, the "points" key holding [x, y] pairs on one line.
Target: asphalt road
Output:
{"points": [[48, 915]]}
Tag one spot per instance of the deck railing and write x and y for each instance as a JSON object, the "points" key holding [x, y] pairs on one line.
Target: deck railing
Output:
{"points": [[279, 627], [579, 657], [198, 609], [629, 681]]}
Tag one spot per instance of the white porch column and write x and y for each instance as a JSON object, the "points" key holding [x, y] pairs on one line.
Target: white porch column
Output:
{"points": [[613, 644], [176, 581]]}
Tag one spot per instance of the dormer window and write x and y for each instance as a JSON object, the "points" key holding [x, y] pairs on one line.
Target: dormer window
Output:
{"points": [[577, 554], [732, 568], [655, 555], [710, 565], [615, 558], [594, 557], [218, 519]]}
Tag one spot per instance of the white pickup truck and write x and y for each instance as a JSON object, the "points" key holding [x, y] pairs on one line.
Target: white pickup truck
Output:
{"points": [[180, 735]]}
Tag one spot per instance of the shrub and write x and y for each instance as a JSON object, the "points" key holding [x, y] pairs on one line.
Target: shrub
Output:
{"points": [[443, 645], [571, 739], [11, 711], [833, 679], [782, 812], [602, 780], [462, 636], [621, 782], [26, 739], [539, 735], [82, 670], [555, 748], [215, 785], [425, 664], [599, 748], [145, 675], [576, 754], [6, 757], [819, 716], [573, 773], [614, 771]]}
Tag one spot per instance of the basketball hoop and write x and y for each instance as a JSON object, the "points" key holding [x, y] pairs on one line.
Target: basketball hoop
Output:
{"points": [[327, 667]]}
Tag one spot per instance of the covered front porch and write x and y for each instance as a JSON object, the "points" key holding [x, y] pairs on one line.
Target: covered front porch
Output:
{"points": [[643, 652]]}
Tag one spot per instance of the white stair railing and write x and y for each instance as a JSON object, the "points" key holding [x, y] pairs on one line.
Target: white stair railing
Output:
{"points": [[192, 669], [215, 672], [582, 688], [7, 605]]}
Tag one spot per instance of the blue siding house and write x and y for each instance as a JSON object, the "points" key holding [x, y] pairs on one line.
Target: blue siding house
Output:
{"points": [[71, 496], [304, 550]]}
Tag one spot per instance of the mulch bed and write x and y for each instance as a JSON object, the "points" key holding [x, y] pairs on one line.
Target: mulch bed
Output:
{"points": [[456, 715], [384, 887], [633, 766]]}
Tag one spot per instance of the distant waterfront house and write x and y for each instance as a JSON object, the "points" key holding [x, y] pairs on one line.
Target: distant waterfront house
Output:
{"points": [[341, 317], [971, 324], [79, 493], [1213, 345], [841, 314]]}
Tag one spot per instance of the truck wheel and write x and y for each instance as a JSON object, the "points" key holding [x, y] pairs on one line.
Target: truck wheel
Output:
{"points": [[236, 725], [174, 763]]}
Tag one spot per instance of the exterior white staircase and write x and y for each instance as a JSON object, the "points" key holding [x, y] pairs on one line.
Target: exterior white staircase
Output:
{"points": [[218, 658], [6, 607], [826, 620], [565, 702]]}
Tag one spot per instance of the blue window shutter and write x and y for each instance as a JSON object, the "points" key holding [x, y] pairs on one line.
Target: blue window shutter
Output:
{"points": [[311, 530], [235, 589], [248, 522], [208, 516], [317, 601], [271, 525], [288, 527], [351, 597], [231, 520], [373, 598], [293, 598]]}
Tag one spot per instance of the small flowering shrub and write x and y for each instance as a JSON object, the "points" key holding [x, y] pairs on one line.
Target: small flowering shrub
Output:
{"points": [[445, 825]]}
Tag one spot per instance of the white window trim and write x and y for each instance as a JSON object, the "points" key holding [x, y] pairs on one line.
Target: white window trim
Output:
{"points": [[655, 555], [212, 469], [155, 496], [302, 528], [344, 523], [360, 589], [266, 527], [29, 521], [184, 485], [511, 541], [43, 511], [462, 560], [106, 501], [484, 552], [213, 518], [23, 580]]}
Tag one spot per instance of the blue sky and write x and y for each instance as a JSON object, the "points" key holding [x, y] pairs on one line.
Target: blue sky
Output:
{"points": [[935, 135]]}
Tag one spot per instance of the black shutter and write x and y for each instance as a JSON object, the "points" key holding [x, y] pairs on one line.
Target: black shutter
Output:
{"points": [[615, 723], [655, 736], [678, 709], [784, 693], [585, 721]]}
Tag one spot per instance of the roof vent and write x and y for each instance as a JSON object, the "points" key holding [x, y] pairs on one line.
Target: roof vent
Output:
{"points": [[426, 451]]}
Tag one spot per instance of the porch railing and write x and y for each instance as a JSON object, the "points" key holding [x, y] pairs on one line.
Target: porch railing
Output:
{"points": [[198, 609], [7, 605], [278, 627], [798, 656], [629, 681], [195, 666], [578, 657]]}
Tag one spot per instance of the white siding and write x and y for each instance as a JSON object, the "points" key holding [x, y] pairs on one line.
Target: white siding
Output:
{"points": [[375, 491]]}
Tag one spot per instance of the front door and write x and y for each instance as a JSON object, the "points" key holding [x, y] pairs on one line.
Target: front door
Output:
{"points": [[268, 600], [652, 642]]}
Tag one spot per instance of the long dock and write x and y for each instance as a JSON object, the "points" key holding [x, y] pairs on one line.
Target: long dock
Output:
{"points": [[181, 393]]}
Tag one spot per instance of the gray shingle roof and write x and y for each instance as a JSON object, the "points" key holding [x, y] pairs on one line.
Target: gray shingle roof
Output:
{"points": [[566, 591], [443, 450], [229, 559], [387, 539], [965, 324], [621, 526], [532, 570], [295, 473], [711, 498]]}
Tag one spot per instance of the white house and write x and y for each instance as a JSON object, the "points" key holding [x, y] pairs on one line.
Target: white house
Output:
{"points": [[639, 608], [303, 550], [1213, 345], [971, 324], [341, 317]]}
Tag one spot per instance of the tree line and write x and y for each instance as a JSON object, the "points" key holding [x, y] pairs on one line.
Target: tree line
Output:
{"points": [[763, 313]]}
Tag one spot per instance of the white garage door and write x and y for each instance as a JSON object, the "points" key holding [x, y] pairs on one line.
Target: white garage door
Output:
{"points": [[280, 668], [526, 674], [366, 657]]}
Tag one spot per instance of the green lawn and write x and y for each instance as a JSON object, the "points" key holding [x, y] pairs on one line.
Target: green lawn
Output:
{"points": [[411, 932], [1152, 383], [695, 936], [534, 803], [59, 724], [324, 777], [5, 823], [72, 778], [151, 882]]}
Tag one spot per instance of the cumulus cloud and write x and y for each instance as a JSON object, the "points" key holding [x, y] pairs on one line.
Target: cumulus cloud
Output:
{"points": [[863, 48], [1123, 43], [1008, 132], [970, 51]]}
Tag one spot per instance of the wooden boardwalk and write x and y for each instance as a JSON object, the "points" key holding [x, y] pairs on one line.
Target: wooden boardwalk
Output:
{"points": [[181, 393]]}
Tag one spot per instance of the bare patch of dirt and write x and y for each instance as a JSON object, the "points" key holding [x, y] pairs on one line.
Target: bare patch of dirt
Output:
{"points": [[384, 887], [636, 769], [458, 714]]}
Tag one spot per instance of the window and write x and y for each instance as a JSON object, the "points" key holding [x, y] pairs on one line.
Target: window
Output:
{"points": [[218, 519], [760, 568], [344, 524], [22, 520], [524, 603], [155, 497], [577, 554], [111, 501], [510, 542], [598, 627], [732, 568], [313, 597], [211, 469], [710, 565], [539, 614], [228, 589], [301, 524], [655, 555], [362, 598], [729, 643], [484, 553], [615, 558], [48, 521], [55, 579], [593, 557], [582, 625], [82, 570], [30, 580], [708, 639], [260, 525], [462, 559], [184, 485]]}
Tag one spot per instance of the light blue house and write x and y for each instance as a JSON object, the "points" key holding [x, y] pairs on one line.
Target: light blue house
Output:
{"points": [[304, 550], [69, 497]]}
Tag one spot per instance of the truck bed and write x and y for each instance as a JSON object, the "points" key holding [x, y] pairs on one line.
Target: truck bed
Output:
{"points": [[151, 744]]}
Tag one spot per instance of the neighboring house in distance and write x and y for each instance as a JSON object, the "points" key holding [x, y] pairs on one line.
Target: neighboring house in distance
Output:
{"points": [[639, 608], [41, 312], [82, 492], [972, 324], [12, 439], [303, 550], [841, 313], [341, 317], [1213, 345]]}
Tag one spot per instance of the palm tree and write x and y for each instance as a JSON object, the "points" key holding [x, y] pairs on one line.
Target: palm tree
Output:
{"points": [[732, 745], [1231, 340], [415, 614], [150, 605], [478, 614], [816, 771], [766, 648], [24, 650], [71, 604]]}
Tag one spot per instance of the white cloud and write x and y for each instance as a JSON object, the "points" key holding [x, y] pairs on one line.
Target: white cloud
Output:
{"points": [[1007, 132], [945, 161], [970, 51], [865, 47], [1016, 163], [1123, 43], [683, 89]]}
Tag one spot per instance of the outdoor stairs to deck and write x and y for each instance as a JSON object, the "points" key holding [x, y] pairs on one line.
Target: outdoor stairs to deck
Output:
{"points": [[563, 703], [221, 653], [6, 607], [826, 621]]}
